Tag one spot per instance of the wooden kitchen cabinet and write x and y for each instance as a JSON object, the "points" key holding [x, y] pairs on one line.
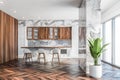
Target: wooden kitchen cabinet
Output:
{"points": [[43, 33], [49, 33], [32, 33], [60, 33], [64, 33]]}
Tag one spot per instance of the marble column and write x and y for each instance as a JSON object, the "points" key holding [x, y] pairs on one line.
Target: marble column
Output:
{"points": [[93, 24]]}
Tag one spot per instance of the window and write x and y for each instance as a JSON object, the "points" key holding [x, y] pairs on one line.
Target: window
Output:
{"points": [[117, 41], [111, 33], [107, 56]]}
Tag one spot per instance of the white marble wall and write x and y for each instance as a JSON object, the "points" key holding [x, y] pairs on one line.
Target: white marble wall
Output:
{"points": [[82, 34], [93, 24], [23, 24]]}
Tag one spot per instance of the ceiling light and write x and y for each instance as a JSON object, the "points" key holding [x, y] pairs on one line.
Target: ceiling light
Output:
{"points": [[39, 17], [14, 11], [1, 2], [23, 17]]}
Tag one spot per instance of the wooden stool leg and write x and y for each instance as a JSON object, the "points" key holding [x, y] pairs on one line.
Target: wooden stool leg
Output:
{"points": [[52, 58], [23, 58], [26, 57], [44, 59], [31, 58], [58, 58], [39, 57]]}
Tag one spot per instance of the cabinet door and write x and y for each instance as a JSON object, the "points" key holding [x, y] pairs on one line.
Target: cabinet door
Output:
{"points": [[53, 33], [35, 33], [43, 33], [68, 33], [47, 33], [29, 33], [65, 33], [61, 33]]}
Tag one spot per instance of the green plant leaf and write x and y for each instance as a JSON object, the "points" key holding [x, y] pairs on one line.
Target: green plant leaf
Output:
{"points": [[96, 49], [90, 43], [97, 45], [103, 47]]}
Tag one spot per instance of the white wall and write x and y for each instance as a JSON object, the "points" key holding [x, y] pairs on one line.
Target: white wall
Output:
{"points": [[111, 12], [74, 51], [21, 40]]}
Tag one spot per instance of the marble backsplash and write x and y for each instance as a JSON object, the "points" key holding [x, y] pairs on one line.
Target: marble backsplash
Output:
{"points": [[37, 43]]}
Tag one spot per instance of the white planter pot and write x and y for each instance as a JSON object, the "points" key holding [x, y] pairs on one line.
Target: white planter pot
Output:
{"points": [[95, 71]]}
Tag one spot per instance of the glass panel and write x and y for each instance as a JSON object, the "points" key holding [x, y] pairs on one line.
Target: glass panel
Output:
{"points": [[51, 33], [35, 33], [29, 33], [55, 33], [117, 41], [108, 39]]}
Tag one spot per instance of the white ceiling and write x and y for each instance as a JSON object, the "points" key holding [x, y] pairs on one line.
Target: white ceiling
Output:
{"points": [[47, 9], [42, 9], [106, 4]]}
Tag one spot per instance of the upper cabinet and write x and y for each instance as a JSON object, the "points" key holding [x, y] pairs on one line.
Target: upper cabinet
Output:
{"points": [[49, 33], [64, 33]]}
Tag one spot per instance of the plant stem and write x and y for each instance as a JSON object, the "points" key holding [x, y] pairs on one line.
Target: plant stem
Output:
{"points": [[96, 61]]}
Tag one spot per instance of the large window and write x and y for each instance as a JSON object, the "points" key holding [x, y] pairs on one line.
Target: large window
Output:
{"points": [[111, 34], [117, 41], [108, 39]]}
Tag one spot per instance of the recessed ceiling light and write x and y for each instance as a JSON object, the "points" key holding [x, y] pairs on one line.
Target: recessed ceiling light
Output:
{"points": [[39, 17], [14, 11], [23, 17], [1, 2]]}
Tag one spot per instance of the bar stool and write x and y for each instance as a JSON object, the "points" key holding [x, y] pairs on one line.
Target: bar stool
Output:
{"points": [[41, 52], [27, 55], [55, 55]]}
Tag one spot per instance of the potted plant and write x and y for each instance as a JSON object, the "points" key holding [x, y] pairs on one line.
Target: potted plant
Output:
{"points": [[96, 50]]}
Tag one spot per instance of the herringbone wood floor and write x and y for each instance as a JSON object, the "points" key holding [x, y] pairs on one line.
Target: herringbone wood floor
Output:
{"points": [[16, 70]]}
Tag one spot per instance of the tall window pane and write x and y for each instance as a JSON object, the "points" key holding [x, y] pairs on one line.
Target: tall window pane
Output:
{"points": [[108, 39], [117, 41]]}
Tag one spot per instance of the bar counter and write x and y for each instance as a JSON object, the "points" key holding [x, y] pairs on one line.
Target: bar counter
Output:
{"points": [[47, 47]]}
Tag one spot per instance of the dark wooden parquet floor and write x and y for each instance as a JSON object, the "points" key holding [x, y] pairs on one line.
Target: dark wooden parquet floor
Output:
{"points": [[17, 70], [69, 69]]}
